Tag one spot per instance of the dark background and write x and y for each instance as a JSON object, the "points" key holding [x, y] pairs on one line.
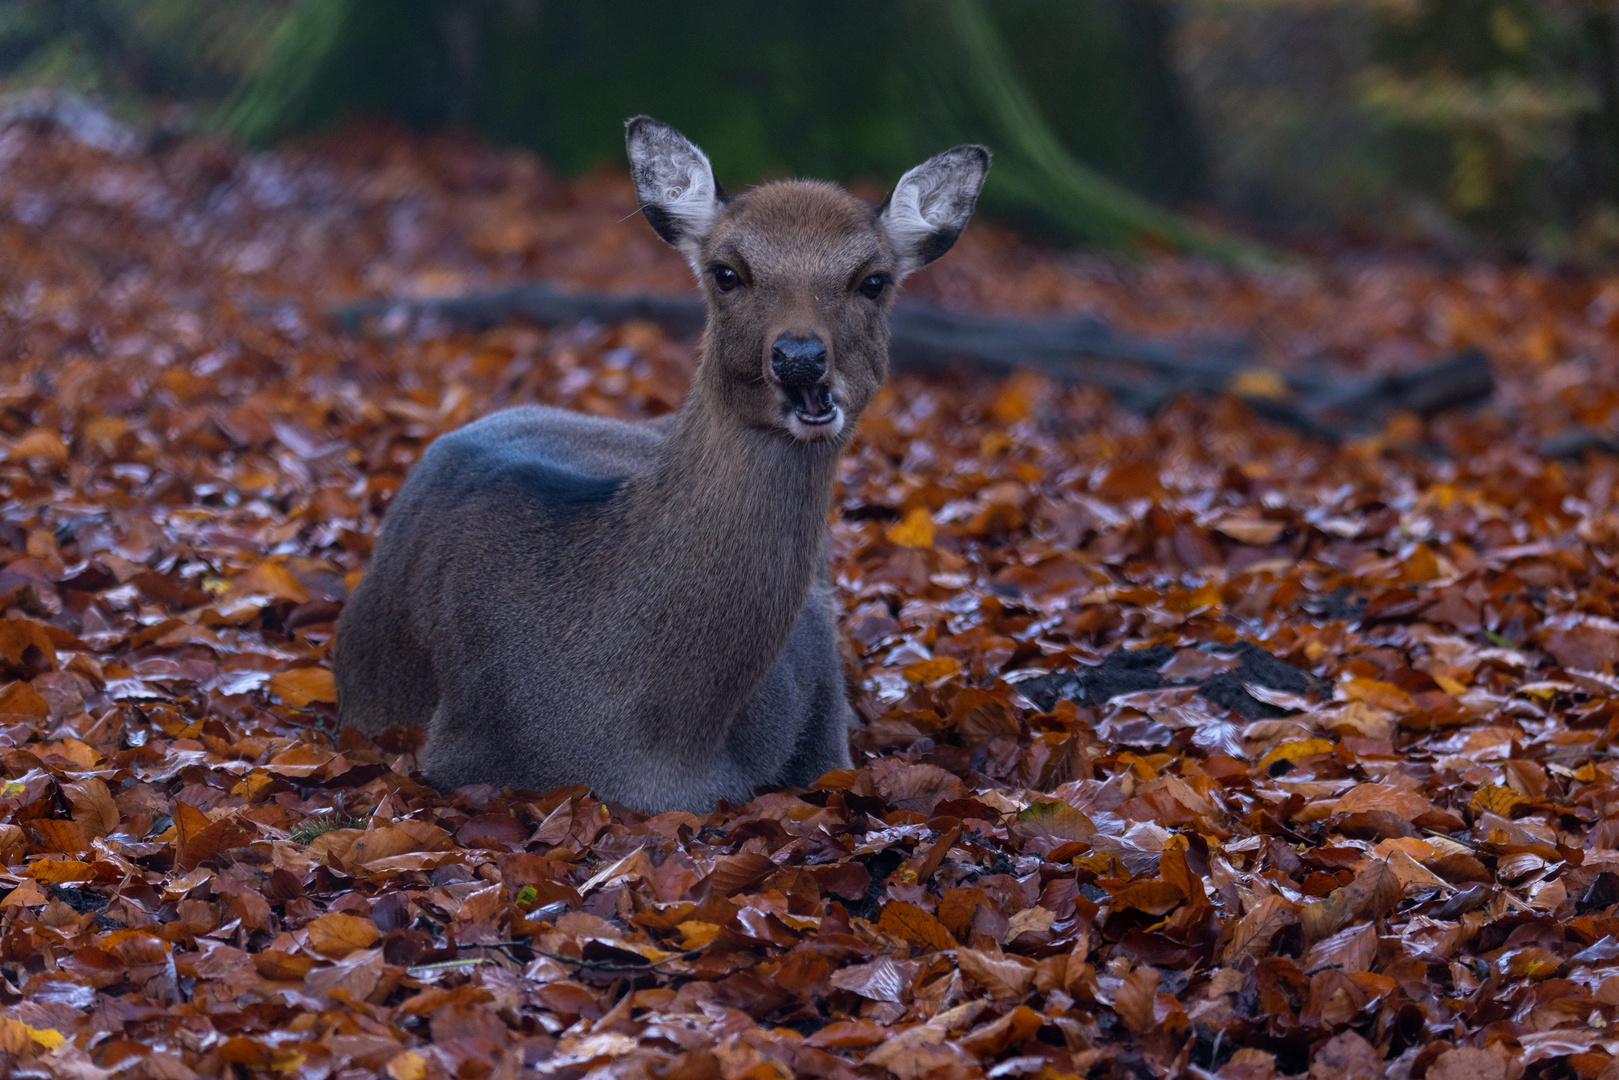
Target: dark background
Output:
{"points": [[1470, 126]]}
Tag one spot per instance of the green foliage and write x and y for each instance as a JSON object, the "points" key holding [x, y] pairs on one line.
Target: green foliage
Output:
{"points": [[307, 831], [1072, 95], [1489, 104], [131, 50]]}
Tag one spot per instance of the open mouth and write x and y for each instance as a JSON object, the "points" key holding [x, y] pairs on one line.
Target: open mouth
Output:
{"points": [[813, 404]]}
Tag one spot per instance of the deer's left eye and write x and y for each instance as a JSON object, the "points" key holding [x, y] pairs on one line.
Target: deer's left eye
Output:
{"points": [[873, 286]]}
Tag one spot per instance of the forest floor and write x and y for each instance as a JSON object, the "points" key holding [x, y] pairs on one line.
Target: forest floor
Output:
{"points": [[1381, 842]]}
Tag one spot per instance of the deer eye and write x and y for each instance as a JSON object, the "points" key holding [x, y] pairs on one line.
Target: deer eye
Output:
{"points": [[725, 279], [873, 286]]}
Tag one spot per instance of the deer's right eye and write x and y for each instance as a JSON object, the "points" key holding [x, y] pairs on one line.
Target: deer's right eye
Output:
{"points": [[725, 279]]}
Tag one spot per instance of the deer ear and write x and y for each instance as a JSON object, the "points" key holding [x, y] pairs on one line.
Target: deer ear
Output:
{"points": [[931, 204], [674, 184]]}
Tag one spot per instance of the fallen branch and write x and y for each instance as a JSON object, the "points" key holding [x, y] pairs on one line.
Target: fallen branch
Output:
{"points": [[1143, 374]]}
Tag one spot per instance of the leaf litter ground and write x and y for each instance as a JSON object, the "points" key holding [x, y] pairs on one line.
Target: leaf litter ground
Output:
{"points": [[1384, 844]]}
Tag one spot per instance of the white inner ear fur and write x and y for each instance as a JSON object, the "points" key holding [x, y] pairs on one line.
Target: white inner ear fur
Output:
{"points": [[675, 176], [936, 197]]}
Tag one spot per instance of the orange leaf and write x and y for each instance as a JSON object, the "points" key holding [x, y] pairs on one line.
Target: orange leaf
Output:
{"points": [[60, 871], [340, 933], [270, 579], [1497, 799], [1384, 695], [300, 686], [1293, 751], [935, 670], [17, 636], [19, 697]]}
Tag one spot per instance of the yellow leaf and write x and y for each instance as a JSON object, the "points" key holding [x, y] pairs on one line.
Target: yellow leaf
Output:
{"points": [[407, 1066], [1293, 751], [915, 531], [934, 670], [1497, 799], [15, 1037], [1258, 382], [300, 686], [1449, 685], [694, 935]]}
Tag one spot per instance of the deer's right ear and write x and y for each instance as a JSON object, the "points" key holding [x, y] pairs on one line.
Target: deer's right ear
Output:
{"points": [[674, 184], [931, 204]]}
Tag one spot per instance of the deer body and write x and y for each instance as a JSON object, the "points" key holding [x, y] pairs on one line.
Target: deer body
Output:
{"points": [[563, 599]]}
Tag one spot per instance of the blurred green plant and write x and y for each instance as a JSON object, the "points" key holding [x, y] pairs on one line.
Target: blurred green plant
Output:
{"points": [[1462, 121], [844, 88], [135, 51], [1494, 105]]}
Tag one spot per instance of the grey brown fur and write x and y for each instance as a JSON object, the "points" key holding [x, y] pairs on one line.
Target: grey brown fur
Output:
{"points": [[645, 609]]}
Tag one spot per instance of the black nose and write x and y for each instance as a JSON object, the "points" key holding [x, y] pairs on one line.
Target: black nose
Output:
{"points": [[798, 361]]}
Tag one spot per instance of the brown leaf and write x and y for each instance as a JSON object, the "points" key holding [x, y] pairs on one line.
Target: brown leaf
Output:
{"points": [[1399, 801], [1351, 949], [357, 975], [917, 788], [1467, 1063], [93, 806], [883, 979], [340, 934], [1056, 819], [735, 873], [1000, 975], [197, 838], [1152, 897], [956, 908], [1253, 932], [915, 925], [1347, 1056], [1135, 997], [998, 1036]]}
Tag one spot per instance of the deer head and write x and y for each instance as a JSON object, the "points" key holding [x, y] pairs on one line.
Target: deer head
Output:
{"points": [[800, 275]]}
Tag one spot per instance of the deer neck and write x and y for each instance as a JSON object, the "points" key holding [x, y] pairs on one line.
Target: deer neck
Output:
{"points": [[730, 533]]}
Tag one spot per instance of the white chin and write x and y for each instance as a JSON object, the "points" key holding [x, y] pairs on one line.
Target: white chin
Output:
{"points": [[804, 431]]}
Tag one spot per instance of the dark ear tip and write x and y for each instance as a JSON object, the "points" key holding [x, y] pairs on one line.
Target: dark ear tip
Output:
{"points": [[635, 125], [977, 151]]}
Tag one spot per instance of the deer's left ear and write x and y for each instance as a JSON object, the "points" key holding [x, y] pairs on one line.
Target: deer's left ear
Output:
{"points": [[674, 184], [931, 204]]}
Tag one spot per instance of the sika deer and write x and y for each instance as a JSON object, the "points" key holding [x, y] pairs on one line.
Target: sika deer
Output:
{"points": [[646, 609]]}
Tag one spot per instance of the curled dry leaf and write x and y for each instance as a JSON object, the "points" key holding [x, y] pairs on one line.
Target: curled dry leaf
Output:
{"points": [[202, 877]]}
